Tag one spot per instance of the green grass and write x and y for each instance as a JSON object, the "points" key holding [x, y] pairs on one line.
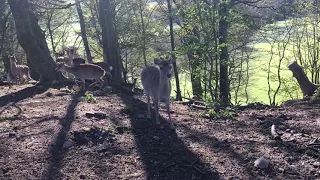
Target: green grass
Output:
{"points": [[258, 82]]}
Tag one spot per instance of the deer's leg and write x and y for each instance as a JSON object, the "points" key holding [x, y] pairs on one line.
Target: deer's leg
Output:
{"points": [[83, 84], [148, 116], [168, 111], [28, 75], [156, 108], [101, 80]]}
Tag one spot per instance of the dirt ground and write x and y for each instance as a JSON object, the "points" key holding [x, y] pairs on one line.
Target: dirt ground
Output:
{"points": [[50, 134]]}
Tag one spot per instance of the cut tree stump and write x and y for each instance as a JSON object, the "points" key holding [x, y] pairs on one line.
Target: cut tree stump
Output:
{"points": [[306, 86]]}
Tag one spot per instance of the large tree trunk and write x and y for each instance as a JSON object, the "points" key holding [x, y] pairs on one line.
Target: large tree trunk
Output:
{"points": [[32, 40], [83, 32], [4, 20], [306, 86], [111, 52], [224, 56]]}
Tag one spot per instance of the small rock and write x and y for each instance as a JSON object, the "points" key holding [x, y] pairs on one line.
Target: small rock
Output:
{"points": [[86, 129], [292, 131], [288, 118], [12, 134], [288, 130], [5, 170], [281, 169], [261, 118], [82, 176], [261, 163], [67, 144], [316, 164], [282, 116], [49, 94], [120, 130], [100, 115], [89, 115], [156, 138]]}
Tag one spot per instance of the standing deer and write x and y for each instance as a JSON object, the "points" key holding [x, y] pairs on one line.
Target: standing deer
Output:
{"points": [[105, 66], [156, 83], [83, 72], [19, 72]]}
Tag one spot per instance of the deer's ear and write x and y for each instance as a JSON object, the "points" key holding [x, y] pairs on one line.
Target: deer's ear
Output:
{"points": [[157, 61]]}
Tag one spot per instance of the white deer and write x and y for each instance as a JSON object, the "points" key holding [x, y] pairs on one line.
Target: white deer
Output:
{"points": [[156, 83]]}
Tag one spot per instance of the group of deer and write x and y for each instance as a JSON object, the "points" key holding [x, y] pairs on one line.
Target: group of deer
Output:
{"points": [[155, 81], [99, 71]]}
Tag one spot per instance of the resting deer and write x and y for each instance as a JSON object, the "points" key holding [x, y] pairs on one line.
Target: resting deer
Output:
{"points": [[130, 86], [83, 72], [105, 66], [19, 72], [156, 83]]}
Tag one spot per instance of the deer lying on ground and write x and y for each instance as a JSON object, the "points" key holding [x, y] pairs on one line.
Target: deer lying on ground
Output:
{"points": [[156, 83], [19, 72], [83, 72], [105, 66], [130, 86]]}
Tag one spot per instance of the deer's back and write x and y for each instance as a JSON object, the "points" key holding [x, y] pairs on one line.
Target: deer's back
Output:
{"points": [[150, 77], [87, 71], [103, 65]]}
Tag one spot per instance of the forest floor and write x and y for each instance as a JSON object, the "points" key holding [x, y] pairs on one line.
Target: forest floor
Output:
{"points": [[50, 134]]}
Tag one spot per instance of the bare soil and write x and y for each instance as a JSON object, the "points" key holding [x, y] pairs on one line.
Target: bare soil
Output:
{"points": [[113, 139]]}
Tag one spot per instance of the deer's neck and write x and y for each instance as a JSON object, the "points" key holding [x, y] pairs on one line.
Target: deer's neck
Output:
{"points": [[165, 85], [13, 65], [70, 69]]}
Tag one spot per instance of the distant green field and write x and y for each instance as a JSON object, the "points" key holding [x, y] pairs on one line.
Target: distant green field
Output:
{"points": [[258, 83]]}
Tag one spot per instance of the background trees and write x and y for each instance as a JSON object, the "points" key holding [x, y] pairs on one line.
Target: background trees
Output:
{"points": [[227, 51]]}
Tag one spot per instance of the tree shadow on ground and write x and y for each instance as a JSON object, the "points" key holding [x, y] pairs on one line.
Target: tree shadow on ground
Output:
{"points": [[164, 155], [224, 146], [56, 152], [22, 94]]}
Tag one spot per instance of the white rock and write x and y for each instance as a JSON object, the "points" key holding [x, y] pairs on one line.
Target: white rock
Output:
{"points": [[316, 164], [261, 163]]}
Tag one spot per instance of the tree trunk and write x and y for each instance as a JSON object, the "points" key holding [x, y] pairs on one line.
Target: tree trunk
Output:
{"points": [[195, 75], [143, 34], [83, 32], [34, 75], [110, 43], [178, 96], [306, 86], [224, 56], [32, 40], [4, 20]]}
